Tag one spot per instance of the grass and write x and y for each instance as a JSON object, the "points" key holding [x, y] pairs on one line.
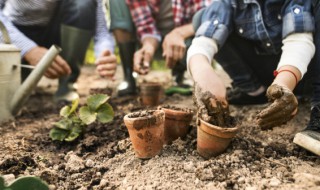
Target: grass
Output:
{"points": [[90, 59]]}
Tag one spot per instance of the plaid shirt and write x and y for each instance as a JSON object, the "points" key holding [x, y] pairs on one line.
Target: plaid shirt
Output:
{"points": [[143, 13]]}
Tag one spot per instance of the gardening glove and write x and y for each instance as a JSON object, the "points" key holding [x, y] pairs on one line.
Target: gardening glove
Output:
{"points": [[282, 109], [209, 108]]}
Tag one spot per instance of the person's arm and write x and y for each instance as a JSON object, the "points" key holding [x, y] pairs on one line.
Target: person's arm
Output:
{"points": [[147, 33], [32, 53], [17, 38], [297, 52], [104, 44], [103, 39], [174, 44], [143, 19], [199, 59]]}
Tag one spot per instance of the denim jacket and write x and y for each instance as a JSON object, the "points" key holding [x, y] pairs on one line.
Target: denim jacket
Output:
{"points": [[265, 22]]}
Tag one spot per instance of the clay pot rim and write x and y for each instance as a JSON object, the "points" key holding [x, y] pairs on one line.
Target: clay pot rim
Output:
{"points": [[225, 132], [190, 112], [155, 113], [151, 84]]}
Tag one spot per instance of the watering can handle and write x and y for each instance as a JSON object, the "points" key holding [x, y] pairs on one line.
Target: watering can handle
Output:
{"points": [[5, 34]]}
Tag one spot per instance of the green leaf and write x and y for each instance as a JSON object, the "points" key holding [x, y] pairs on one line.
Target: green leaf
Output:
{"points": [[58, 134], [75, 132], [105, 113], [96, 100], [65, 111], [86, 115], [74, 106], [29, 182], [1, 183], [63, 124]]}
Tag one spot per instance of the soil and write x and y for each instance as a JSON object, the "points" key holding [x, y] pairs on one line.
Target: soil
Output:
{"points": [[176, 108], [144, 113], [103, 158]]}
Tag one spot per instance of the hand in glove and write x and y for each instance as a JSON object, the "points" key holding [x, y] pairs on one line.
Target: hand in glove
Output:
{"points": [[282, 109]]}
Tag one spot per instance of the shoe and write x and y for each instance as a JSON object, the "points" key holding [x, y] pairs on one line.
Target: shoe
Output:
{"points": [[237, 97], [66, 93], [128, 86], [309, 138], [314, 122], [74, 44]]}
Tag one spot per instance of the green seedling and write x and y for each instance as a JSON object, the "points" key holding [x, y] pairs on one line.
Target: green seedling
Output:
{"points": [[73, 123], [25, 183]]}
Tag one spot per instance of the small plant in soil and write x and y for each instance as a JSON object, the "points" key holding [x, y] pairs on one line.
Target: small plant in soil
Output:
{"points": [[24, 183], [74, 120]]}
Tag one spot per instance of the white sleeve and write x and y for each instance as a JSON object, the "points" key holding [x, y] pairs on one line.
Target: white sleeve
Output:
{"points": [[103, 38], [17, 38], [297, 50], [204, 46]]}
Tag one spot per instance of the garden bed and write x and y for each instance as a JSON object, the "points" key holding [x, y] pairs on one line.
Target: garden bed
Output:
{"points": [[103, 158]]}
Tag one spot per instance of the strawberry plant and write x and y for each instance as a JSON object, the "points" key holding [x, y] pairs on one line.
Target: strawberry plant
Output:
{"points": [[25, 183], [74, 120]]}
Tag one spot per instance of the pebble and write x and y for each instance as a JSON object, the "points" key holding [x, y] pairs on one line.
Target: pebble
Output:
{"points": [[274, 182], [241, 180], [89, 163], [52, 187], [9, 178], [189, 167], [74, 163]]}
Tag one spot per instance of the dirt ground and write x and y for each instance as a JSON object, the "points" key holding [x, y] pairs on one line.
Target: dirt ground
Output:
{"points": [[103, 157]]}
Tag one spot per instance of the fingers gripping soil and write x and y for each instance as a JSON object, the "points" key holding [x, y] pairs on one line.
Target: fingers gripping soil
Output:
{"points": [[282, 109], [210, 109]]}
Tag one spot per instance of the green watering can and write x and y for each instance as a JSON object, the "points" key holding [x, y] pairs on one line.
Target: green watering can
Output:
{"points": [[13, 94]]}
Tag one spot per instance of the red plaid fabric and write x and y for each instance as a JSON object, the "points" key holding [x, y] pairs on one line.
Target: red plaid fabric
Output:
{"points": [[144, 11]]}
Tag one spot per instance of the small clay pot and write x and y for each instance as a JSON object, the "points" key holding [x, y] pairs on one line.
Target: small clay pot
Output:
{"points": [[146, 131], [177, 123], [151, 93], [213, 140]]}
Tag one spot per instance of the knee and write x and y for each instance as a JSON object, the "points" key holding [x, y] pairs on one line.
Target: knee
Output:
{"points": [[80, 14], [85, 8], [81, 9]]}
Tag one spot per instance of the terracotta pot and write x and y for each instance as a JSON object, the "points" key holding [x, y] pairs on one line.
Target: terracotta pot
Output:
{"points": [[151, 93], [146, 133], [176, 124], [213, 140]]}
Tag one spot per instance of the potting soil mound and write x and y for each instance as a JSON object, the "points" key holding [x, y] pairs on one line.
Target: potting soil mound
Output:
{"points": [[103, 157]]}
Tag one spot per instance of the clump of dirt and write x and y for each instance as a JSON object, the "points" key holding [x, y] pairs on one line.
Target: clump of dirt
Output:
{"points": [[144, 113], [212, 110], [107, 91]]}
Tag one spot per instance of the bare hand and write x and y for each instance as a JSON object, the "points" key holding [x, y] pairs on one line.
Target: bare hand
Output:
{"points": [[106, 64], [143, 57], [174, 48], [58, 68], [283, 108], [210, 109]]}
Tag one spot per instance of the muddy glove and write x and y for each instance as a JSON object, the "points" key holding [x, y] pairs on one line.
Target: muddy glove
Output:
{"points": [[282, 109], [209, 108]]}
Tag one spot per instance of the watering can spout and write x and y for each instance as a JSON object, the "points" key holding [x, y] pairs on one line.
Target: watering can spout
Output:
{"points": [[24, 91]]}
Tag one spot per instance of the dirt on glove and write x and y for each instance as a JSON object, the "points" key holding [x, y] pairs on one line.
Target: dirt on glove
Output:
{"points": [[212, 110]]}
